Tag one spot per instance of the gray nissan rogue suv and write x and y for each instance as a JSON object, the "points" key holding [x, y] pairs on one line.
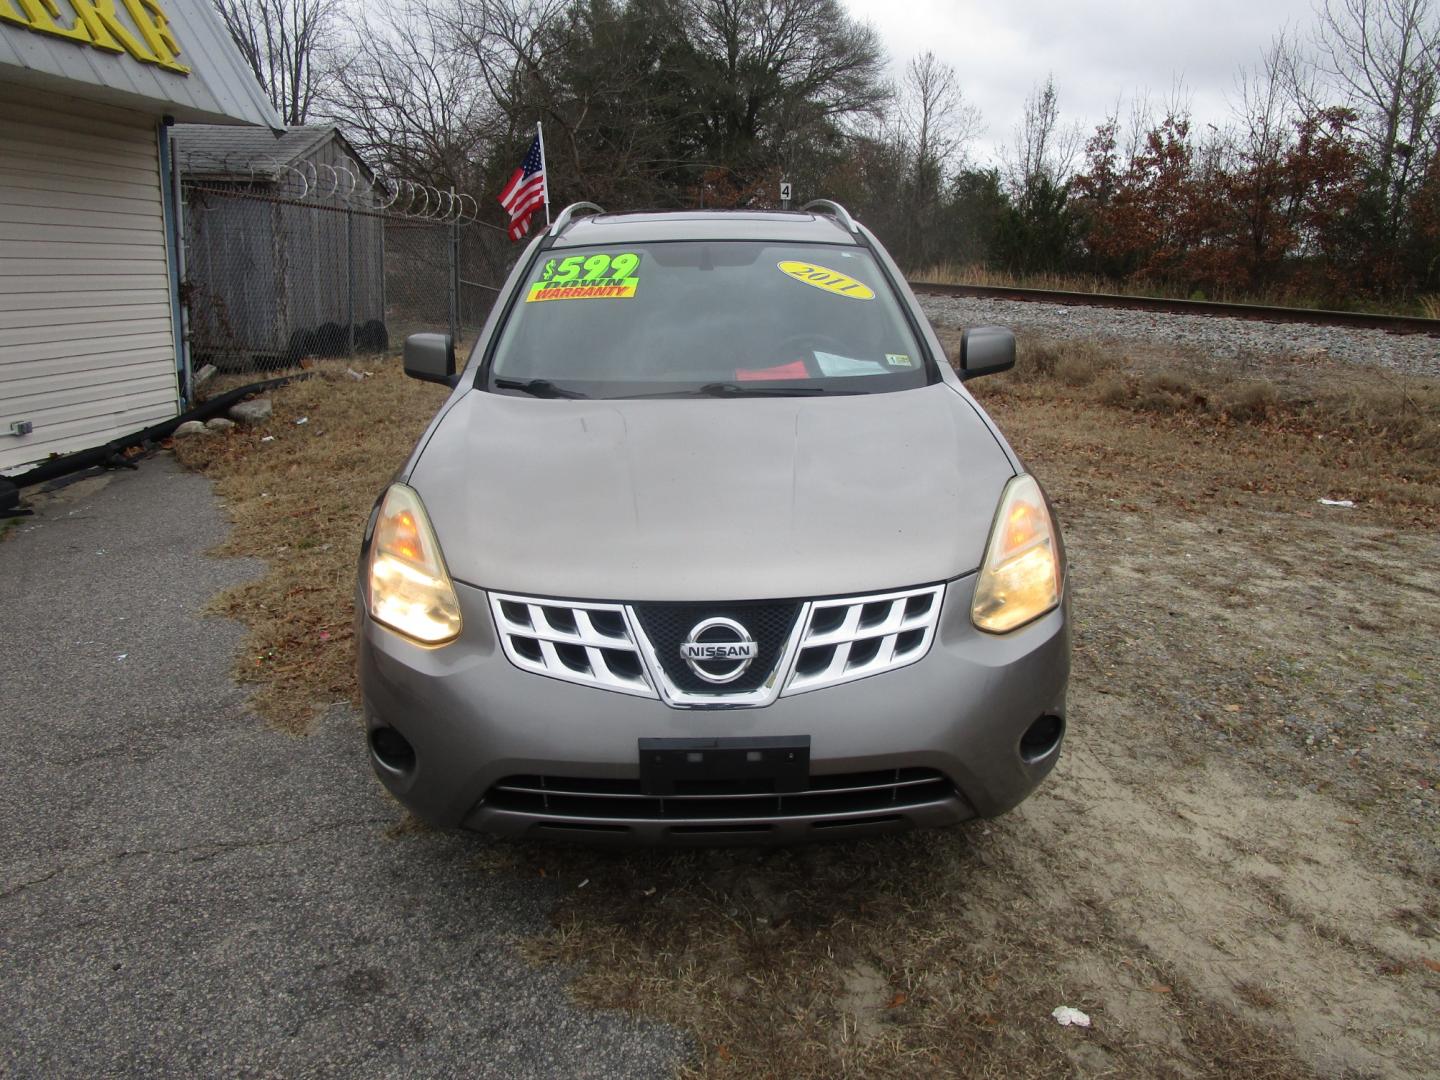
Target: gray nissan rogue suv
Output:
{"points": [[709, 544]]}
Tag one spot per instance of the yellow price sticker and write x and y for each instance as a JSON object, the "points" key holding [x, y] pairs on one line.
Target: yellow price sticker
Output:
{"points": [[601, 276], [822, 277]]}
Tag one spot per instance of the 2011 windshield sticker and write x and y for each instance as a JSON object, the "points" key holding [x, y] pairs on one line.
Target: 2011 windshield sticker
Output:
{"points": [[598, 277], [822, 277]]}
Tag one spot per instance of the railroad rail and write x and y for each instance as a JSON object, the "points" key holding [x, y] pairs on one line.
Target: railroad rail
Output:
{"points": [[1393, 324]]}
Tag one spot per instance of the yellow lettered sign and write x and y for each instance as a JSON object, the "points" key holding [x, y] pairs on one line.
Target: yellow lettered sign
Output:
{"points": [[143, 32], [822, 277]]}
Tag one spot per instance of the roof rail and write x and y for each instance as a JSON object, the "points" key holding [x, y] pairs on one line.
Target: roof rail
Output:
{"points": [[836, 209], [568, 213]]}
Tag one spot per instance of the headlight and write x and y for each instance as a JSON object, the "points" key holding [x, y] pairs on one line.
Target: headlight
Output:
{"points": [[410, 590], [1020, 578]]}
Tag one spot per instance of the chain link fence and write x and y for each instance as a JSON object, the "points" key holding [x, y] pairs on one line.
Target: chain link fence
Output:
{"points": [[269, 281]]}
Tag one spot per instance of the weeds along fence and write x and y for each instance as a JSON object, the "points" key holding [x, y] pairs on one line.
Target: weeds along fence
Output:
{"points": [[270, 280]]}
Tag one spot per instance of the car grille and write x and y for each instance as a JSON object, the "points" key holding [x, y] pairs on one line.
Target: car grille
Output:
{"points": [[850, 639], [889, 790], [799, 645], [667, 625], [584, 643]]}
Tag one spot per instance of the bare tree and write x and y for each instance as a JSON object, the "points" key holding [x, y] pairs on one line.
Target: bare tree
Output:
{"points": [[1259, 184], [517, 51], [1383, 56], [1264, 104], [933, 124], [413, 103], [935, 117], [1140, 119], [509, 44], [1045, 151], [290, 45]]}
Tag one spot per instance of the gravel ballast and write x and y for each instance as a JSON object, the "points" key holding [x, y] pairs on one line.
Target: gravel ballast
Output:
{"points": [[1221, 338]]}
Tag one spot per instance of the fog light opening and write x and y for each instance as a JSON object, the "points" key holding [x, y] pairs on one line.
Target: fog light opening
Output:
{"points": [[392, 750], [1041, 738]]}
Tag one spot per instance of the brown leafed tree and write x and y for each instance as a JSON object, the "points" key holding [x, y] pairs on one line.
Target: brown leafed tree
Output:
{"points": [[1260, 193], [1328, 171]]}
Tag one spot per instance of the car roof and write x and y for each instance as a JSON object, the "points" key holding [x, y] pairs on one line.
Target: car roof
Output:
{"points": [[785, 226]]}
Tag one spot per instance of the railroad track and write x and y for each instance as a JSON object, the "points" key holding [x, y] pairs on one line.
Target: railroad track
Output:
{"points": [[1393, 324]]}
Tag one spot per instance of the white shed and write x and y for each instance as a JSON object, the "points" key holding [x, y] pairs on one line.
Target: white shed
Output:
{"points": [[90, 332]]}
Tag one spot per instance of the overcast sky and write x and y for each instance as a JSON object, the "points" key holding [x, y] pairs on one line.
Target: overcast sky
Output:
{"points": [[1098, 50]]}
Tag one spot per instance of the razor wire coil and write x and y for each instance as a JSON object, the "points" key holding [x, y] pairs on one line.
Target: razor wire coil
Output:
{"points": [[320, 182]]}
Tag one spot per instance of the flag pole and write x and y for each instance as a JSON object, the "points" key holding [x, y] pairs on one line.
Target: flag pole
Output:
{"points": [[540, 135]]}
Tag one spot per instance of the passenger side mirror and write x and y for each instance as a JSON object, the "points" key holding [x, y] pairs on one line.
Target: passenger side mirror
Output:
{"points": [[431, 357], [984, 350]]}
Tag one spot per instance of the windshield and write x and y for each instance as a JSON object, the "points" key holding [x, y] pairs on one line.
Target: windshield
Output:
{"points": [[727, 318]]}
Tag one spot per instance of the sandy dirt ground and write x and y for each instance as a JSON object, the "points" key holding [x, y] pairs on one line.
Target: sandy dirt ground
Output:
{"points": [[1277, 875]]}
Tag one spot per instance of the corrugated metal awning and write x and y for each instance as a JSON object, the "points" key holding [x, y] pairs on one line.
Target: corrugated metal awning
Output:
{"points": [[66, 55]]}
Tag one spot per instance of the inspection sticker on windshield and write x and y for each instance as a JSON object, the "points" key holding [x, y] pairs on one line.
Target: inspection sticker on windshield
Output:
{"points": [[898, 360], [822, 277], [597, 277]]}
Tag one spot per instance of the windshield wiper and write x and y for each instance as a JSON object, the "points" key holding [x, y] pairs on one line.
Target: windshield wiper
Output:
{"points": [[730, 389], [721, 389], [537, 388]]}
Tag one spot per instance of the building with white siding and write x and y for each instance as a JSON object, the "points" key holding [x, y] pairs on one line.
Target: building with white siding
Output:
{"points": [[91, 334]]}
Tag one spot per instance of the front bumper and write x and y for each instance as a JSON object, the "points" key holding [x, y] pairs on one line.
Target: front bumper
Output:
{"points": [[476, 721]]}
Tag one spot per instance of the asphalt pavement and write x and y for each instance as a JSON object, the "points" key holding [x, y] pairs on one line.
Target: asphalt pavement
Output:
{"points": [[186, 891]]}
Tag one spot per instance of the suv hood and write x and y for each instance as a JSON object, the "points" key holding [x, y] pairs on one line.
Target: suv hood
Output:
{"points": [[711, 499]]}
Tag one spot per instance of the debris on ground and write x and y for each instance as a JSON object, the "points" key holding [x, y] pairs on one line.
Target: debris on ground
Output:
{"points": [[1069, 1017], [1347, 503]]}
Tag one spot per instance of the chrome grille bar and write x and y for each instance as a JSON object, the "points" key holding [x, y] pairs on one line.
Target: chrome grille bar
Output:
{"points": [[619, 800], [859, 636], [548, 787], [561, 639]]}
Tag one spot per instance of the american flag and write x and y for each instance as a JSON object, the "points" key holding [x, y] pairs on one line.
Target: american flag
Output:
{"points": [[526, 191]]}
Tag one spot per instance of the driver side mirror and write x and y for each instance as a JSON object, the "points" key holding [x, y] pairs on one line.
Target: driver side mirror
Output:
{"points": [[431, 357], [985, 350]]}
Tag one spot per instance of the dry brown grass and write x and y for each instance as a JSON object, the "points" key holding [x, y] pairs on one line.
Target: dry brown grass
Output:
{"points": [[1404, 418], [300, 502], [1256, 995], [1287, 426]]}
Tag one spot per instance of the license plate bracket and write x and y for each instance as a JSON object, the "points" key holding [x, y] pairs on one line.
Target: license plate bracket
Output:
{"points": [[783, 760]]}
